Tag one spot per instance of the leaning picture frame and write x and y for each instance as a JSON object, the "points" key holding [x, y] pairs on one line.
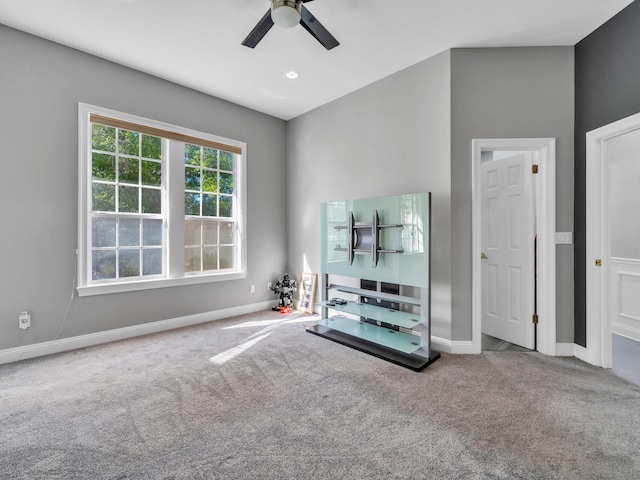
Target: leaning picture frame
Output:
{"points": [[307, 292]]}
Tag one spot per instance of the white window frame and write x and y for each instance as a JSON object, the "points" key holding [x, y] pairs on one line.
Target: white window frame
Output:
{"points": [[173, 258]]}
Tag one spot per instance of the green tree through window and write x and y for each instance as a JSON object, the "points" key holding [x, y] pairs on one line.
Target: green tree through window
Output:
{"points": [[139, 173]]}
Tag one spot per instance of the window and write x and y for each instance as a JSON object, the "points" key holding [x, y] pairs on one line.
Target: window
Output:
{"points": [[159, 205]]}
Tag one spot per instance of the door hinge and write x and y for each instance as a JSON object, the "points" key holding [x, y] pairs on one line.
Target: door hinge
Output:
{"points": [[534, 318], [598, 262], [534, 169]]}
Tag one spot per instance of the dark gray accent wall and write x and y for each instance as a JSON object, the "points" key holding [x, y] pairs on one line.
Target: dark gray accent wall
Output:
{"points": [[41, 84], [510, 93], [607, 89]]}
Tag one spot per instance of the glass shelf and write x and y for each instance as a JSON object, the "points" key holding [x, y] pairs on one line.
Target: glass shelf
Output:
{"points": [[372, 293], [403, 342], [381, 314]]}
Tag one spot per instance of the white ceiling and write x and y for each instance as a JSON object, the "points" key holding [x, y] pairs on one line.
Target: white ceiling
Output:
{"points": [[197, 43]]}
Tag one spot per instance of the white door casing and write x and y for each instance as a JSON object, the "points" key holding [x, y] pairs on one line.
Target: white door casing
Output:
{"points": [[613, 237], [543, 154], [508, 249]]}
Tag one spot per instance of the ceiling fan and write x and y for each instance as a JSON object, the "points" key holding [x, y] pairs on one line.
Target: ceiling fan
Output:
{"points": [[288, 13]]}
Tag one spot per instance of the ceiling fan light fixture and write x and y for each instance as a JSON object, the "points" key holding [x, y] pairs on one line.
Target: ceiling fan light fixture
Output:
{"points": [[285, 13]]}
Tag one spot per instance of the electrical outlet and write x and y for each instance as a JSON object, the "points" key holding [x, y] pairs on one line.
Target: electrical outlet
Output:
{"points": [[269, 285], [24, 320], [253, 289]]}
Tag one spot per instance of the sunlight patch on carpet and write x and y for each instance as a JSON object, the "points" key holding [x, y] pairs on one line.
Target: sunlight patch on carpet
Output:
{"points": [[224, 357]]}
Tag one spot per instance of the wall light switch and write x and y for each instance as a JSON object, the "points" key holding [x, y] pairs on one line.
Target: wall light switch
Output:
{"points": [[564, 238]]}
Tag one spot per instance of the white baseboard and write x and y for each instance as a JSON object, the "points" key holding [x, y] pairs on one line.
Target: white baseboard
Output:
{"points": [[565, 349], [583, 354], [65, 344], [452, 346], [626, 331], [466, 347]]}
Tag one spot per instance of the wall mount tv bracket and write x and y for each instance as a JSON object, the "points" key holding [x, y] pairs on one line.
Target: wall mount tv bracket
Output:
{"points": [[364, 238]]}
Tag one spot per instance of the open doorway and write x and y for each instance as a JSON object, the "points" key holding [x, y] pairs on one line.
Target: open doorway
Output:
{"points": [[513, 227], [613, 249]]}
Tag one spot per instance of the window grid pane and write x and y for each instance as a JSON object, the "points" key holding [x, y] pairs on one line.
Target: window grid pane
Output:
{"points": [[126, 219], [209, 245], [128, 241], [209, 182], [126, 247]]}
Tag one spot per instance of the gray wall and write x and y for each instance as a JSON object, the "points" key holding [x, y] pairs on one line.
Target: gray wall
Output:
{"points": [[510, 93], [41, 84], [389, 138], [412, 131]]}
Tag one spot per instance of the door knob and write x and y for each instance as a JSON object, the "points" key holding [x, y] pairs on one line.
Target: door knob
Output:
{"points": [[483, 256]]}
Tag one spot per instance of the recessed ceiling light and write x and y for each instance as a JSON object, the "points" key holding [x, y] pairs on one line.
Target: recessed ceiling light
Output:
{"points": [[292, 74]]}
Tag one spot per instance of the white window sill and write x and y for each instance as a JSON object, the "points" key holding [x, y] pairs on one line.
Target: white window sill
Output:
{"points": [[133, 286]]}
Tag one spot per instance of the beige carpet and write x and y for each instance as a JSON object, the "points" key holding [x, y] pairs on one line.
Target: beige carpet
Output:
{"points": [[256, 397]]}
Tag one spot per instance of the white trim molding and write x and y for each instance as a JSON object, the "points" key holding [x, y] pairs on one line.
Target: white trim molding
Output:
{"points": [[598, 351], [461, 347], [65, 344], [544, 151], [565, 349]]}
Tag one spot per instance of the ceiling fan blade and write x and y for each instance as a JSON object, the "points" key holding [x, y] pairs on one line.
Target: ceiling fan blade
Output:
{"points": [[305, 1], [259, 31], [315, 28]]}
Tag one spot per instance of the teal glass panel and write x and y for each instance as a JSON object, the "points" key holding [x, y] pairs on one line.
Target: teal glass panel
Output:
{"points": [[404, 342], [372, 312], [410, 211]]}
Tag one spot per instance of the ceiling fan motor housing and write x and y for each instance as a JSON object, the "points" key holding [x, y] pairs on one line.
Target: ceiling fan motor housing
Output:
{"points": [[285, 13]]}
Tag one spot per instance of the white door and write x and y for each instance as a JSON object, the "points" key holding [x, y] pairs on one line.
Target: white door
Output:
{"points": [[621, 162], [507, 239]]}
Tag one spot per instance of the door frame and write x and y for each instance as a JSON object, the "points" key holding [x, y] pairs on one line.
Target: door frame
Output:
{"points": [[599, 351], [544, 155]]}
